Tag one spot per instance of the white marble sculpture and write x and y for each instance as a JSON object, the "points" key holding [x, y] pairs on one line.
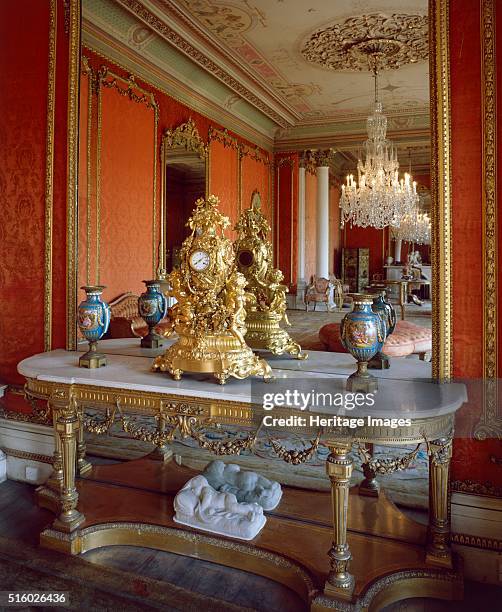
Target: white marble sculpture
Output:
{"points": [[198, 505], [245, 485]]}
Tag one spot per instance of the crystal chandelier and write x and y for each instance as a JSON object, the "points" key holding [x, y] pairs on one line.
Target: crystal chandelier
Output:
{"points": [[415, 227], [379, 198]]}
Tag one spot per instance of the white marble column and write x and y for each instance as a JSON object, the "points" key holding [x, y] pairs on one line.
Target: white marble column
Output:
{"points": [[322, 237], [397, 250], [300, 274]]}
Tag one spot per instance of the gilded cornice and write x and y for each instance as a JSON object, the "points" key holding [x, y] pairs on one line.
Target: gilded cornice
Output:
{"points": [[215, 68], [119, 54]]}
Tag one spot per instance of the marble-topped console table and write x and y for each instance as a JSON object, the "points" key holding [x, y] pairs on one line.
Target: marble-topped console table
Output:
{"points": [[126, 387]]}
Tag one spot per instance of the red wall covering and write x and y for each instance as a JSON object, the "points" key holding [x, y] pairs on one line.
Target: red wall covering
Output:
{"points": [[471, 458], [223, 181], [256, 175], [286, 215], [127, 168], [23, 107]]}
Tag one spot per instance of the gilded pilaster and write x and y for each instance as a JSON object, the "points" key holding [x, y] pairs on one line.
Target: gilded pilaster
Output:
{"points": [[491, 422], [441, 190], [49, 175], [72, 171]]}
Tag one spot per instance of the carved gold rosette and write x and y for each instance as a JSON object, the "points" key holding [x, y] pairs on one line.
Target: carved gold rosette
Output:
{"points": [[209, 314], [266, 296]]}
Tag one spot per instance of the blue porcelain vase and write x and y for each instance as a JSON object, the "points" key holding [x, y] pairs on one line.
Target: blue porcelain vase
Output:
{"points": [[93, 317], [386, 311], [152, 307], [363, 333]]}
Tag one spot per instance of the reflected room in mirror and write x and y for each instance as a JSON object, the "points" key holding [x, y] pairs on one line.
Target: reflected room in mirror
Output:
{"points": [[184, 168]]}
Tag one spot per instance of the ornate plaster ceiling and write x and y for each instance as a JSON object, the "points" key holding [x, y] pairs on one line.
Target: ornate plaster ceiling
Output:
{"points": [[295, 64], [306, 50]]}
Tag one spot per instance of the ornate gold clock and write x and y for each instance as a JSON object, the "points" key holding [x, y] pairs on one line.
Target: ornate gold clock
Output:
{"points": [[266, 304], [209, 315]]}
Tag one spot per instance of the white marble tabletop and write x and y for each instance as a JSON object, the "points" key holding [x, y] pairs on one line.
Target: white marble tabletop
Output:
{"points": [[402, 391]]}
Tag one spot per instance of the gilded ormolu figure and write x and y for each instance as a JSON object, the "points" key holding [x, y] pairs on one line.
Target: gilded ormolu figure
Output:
{"points": [[209, 316], [266, 305]]}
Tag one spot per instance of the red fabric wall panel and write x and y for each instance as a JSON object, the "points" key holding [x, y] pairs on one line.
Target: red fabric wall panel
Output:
{"points": [[224, 181], [286, 215], [465, 62], [23, 101], [84, 206], [334, 228], [60, 183], [471, 458], [256, 175], [126, 219], [310, 224]]}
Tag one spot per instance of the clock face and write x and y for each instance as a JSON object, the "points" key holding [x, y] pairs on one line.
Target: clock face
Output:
{"points": [[199, 260], [246, 258]]}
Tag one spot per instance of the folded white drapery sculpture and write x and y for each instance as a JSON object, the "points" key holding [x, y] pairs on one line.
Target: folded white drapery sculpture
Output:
{"points": [[198, 505], [247, 486]]}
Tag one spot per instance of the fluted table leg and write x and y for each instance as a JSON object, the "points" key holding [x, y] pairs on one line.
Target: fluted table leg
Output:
{"points": [[67, 427], [438, 540], [55, 481], [83, 466], [340, 582]]}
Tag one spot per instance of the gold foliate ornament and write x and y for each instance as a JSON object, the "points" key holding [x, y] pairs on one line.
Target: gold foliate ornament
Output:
{"points": [[266, 295], [209, 315]]}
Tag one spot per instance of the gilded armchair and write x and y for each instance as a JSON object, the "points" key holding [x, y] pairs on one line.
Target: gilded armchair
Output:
{"points": [[317, 292]]}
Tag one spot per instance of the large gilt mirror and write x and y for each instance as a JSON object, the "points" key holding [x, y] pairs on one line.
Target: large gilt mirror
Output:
{"points": [[184, 163]]}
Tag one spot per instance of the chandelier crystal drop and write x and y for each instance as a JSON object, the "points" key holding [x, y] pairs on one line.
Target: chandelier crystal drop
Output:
{"points": [[379, 198]]}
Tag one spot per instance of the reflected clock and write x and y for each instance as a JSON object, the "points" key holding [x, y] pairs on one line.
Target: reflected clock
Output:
{"points": [[245, 258]]}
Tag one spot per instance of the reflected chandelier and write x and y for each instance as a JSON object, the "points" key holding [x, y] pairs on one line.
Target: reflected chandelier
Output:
{"points": [[415, 227], [378, 198]]}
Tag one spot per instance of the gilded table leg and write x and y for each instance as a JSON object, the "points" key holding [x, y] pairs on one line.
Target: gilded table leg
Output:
{"points": [[438, 541], [340, 582], [55, 481], [83, 466], [369, 486], [67, 426]]}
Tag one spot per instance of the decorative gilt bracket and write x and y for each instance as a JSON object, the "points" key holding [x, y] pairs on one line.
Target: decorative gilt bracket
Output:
{"points": [[185, 135]]}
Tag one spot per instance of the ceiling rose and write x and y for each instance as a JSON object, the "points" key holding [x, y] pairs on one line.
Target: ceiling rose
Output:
{"points": [[401, 39]]}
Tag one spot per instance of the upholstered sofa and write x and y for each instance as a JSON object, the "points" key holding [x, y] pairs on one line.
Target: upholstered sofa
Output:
{"points": [[125, 321], [408, 338]]}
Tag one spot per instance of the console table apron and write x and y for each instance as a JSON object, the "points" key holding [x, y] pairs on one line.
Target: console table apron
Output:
{"points": [[184, 408]]}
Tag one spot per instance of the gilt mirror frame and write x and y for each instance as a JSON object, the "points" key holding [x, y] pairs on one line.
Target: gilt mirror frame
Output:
{"points": [[440, 183], [185, 135]]}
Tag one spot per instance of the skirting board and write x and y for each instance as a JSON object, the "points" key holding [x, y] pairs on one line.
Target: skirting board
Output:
{"points": [[476, 520], [29, 448]]}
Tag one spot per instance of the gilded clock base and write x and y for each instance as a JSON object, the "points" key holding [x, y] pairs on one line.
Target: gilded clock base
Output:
{"points": [[222, 355], [264, 332]]}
